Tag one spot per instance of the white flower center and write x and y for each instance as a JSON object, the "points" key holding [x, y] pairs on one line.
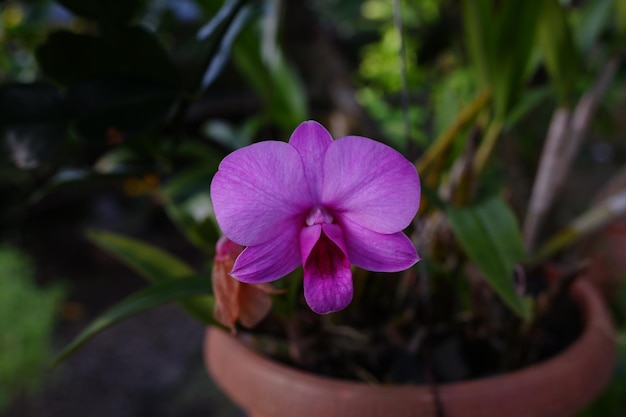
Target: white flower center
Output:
{"points": [[318, 215]]}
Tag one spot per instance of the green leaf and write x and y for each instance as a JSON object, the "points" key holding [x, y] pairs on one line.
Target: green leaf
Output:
{"points": [[31, 103], [620, 17], [85, 179], [527, 102], [217, 37], [515, 36], [124, 106], [232, 135], [28, 314], [227, 11], [276, 82], [188, 204], [557, 47], [150, 297], [132, 52], [33, 123], [104, 11], [142, 52], [154, 264], [478, 17], [500, 37], [594, 19], [220, 57], [122, 82], [68, 57], [490, 236]]}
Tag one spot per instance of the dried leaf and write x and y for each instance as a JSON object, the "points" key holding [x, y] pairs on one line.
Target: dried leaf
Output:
{"points": [[234, 300]]}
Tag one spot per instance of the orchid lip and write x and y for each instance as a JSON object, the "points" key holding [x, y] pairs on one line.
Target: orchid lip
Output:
{"points": [[318, 215]]}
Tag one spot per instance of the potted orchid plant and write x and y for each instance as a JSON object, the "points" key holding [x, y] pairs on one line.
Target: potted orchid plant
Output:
{"points": [[316, 243], [329, 205], [324, 212]]}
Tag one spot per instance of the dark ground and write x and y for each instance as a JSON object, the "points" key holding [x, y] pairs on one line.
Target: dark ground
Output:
{"points": [[149, 365]]}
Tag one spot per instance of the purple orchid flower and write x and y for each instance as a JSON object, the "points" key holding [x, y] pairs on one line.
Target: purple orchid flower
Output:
{"points": [[319, 203]]}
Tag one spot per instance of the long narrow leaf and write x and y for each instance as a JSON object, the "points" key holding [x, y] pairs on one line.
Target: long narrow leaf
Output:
{"points": [[528, 101], [188, 204], [514, 37], [220, 58], [277, 82], [619, 10], [220, 17], [143, 300], [588, 222], [154, 264], [491, 238], [479, 32], [557, 46], [595, 16]]}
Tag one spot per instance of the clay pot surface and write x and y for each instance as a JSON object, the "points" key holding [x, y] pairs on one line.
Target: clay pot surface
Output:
{"points": [[607, 259], [558, 387]]}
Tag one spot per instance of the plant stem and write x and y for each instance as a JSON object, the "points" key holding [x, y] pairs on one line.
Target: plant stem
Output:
{"points": [[487, 146], [397, 21], [543, 187], [588, 222], [444, 141], [562, 144]]}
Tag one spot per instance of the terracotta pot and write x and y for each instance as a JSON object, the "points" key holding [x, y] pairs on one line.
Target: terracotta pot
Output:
{"points": [[607, 258], [557, 387]]}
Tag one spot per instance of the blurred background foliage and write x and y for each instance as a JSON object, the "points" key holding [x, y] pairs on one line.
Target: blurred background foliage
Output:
{"points": [[27, 315], [115, 113]]}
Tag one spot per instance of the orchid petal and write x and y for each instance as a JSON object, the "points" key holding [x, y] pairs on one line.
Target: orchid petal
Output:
{"points": [[269, 261], [258, 192], [308, 239], [376, 251], [327, 275], [370, 184], [311, 140]]}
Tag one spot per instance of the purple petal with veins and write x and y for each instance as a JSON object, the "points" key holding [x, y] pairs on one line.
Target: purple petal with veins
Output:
{"points": [[370, 183], [311, 141], [259, 191]]}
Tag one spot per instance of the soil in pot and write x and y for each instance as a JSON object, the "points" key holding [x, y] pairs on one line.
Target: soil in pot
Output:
{"points": [[422, 345]]}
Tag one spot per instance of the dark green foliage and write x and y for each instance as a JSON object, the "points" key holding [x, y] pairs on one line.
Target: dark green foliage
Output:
{"points": [[106, 12], [27, 316]]}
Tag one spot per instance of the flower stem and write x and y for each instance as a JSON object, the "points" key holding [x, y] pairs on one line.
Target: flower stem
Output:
{"points": [[444, 141], [487, 146]]}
